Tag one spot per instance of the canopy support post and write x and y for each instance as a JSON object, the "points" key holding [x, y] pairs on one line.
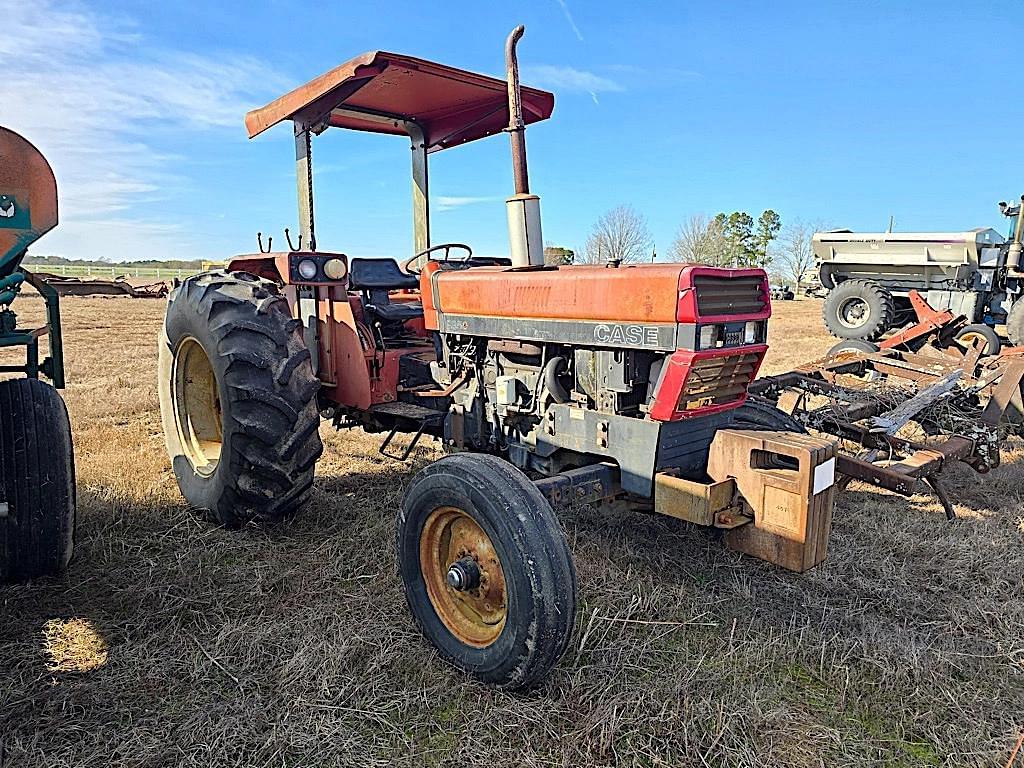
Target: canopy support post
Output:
{"points": [[304, 184], [420, 189], [307, 294]]}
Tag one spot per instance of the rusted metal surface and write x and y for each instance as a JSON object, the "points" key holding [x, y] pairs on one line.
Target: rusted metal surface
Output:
{"points": [[76, 286], [929, 320], [381, 92], [581, 486], [904, 416], [516, 126]]}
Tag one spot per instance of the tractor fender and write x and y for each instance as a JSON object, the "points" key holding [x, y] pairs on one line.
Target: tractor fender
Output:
{"points": [[269, 266]]}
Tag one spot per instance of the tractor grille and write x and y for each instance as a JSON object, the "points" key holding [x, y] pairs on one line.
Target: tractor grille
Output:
{"points": [[730, 295], [718, 380]]}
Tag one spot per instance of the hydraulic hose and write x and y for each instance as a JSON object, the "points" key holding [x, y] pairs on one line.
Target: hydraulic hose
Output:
{"points": [[555, 367]]}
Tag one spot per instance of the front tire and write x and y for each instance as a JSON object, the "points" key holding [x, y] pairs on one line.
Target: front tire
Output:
{"points": [[487, 570], [758, 413], [37, 462], [859, 309], [238, 399]]}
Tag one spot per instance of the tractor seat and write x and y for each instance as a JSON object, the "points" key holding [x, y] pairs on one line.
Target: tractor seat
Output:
{"points": [[395, 311], [376, 274], [375, 278]]}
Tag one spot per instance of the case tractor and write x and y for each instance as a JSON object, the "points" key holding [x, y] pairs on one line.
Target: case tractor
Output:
{"points": [[37, 473], [545, 385]]}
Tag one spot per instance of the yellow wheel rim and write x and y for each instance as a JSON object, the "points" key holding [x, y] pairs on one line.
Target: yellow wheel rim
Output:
{"points": [[969, 339], [197, 412], [476, 616]]}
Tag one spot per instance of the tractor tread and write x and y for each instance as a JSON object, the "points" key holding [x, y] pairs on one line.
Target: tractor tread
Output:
{"points": [[37, 481], [879, 300], [271, 423]]}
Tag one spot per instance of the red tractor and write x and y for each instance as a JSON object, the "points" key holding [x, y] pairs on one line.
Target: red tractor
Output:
{"points": [[545, 384]]}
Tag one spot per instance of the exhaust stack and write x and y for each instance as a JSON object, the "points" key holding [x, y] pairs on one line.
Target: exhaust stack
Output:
{"points": [[1013, 257], [526, 243]]}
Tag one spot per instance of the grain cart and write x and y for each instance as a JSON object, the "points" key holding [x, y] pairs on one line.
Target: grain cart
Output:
{"points": [[37, 492], [547, 385], [974, 274]]}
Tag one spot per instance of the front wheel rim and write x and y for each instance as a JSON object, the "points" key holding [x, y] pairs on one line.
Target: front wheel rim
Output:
{"points": [[197, 408], [476, 616]]}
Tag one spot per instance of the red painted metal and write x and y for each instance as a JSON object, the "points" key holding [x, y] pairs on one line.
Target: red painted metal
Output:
{"points": [[687, 310], [451, 106], [675, 377], [28, 197], [928, 320]]}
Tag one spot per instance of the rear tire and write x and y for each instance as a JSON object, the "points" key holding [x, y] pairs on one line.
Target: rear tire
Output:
{"points": [[37, 533], [859, 309], [512, 628], [238, 399]]}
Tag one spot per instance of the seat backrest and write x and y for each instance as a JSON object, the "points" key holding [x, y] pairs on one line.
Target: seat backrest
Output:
{"points": [[370, 274]]}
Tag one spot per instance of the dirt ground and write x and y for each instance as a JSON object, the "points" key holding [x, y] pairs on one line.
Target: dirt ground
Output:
{"points": [[171, 642]]}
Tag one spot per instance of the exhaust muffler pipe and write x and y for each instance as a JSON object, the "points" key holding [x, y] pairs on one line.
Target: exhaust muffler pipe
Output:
{"points": [[1013, 257], [526, 242]]}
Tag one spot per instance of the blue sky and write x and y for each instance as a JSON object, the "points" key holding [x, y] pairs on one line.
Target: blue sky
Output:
{"points": [[839, 112]]}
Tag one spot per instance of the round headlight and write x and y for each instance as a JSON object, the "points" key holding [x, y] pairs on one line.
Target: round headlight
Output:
{"points": [[335, 269], [307, 269]]}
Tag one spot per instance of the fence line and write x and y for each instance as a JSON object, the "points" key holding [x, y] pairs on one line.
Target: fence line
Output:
{"points": [[115, 270]]}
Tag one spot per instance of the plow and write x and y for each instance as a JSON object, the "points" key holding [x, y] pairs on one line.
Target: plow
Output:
{"points": [[904, 411]]}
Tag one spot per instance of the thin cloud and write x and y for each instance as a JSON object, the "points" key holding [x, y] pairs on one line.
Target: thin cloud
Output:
{"points": [[561, 78], [77, 86], [450, 203], [569, 18]]}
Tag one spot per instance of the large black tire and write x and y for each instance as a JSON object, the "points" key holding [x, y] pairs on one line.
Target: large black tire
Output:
{"points": [[758, 413], [970, 333], [523, 537], [1015, 323], [37, 533], [859, 309], [238, 399]]}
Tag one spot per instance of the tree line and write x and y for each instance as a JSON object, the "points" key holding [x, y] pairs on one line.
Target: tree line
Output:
{"points": [[734, 239]]}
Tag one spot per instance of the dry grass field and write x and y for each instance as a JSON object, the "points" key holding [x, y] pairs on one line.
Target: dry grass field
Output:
{"points": [[171, 642]]}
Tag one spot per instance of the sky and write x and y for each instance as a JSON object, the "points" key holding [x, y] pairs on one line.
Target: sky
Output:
{"points": [[843, 113]]}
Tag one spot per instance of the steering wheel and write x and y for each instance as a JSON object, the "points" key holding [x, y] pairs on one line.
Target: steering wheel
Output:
{"points": [[409, 265]]}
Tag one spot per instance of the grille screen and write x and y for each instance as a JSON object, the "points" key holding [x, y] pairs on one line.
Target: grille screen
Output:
{"points": [[729, 295], [718, 380]]}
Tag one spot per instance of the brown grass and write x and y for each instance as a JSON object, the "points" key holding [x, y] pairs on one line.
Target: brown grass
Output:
{"points": [[294, 647]]}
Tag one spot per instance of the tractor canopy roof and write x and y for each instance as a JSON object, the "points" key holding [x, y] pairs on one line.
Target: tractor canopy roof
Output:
{"points": [[451, 106]]}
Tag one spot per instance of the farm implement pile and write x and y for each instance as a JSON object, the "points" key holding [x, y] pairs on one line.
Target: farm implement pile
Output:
{"points": [[904, 411]]}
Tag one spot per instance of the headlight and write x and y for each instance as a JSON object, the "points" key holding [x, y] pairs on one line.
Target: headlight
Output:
{"points": [[750, 332], [708, 336], [307, 269], [335, 269]]}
